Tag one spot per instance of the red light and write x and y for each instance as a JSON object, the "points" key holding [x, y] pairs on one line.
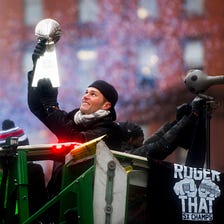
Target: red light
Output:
{"points": [[64, 148]]}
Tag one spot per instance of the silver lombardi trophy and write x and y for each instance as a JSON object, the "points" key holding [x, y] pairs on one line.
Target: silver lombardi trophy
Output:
{"points": [[46, 66]]}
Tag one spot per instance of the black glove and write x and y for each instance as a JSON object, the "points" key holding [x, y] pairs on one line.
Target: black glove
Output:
{"points": [[39, 50], [198, 105], [181, 110], [48, 94]]}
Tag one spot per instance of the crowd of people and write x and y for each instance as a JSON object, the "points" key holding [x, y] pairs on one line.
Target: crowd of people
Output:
{"points": [[96, 116]]}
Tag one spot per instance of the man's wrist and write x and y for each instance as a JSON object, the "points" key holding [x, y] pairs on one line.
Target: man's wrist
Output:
{"points": [[51, 109]]}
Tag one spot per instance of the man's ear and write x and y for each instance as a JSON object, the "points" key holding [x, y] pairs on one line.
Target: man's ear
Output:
{"points": [[106, 106]]}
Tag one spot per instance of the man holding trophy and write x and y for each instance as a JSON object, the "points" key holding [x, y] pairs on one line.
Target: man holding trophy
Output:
{"points": [[94, 117]]}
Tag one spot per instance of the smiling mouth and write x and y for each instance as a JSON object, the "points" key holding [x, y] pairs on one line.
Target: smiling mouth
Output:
{"points": [[85, 103]]}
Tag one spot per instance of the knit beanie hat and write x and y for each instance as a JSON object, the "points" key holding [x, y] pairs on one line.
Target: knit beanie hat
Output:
{"points": [[107, 90], [7, 124]]}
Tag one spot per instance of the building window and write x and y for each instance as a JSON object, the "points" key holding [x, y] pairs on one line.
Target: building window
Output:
{"points": [[147, 67], [88, 11], [194, 8], [147, 9], [193, 54], [33, 12], [87, 60]]}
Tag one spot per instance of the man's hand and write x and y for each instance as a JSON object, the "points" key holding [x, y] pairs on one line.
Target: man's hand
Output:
{"points": [[182, 110], [48, 94], [198, 105], [39, 50]]}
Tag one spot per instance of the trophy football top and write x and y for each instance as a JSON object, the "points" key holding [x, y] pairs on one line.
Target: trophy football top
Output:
{"points": [[48, 29]]}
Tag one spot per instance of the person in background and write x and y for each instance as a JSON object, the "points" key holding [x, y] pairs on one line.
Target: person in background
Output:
{"points": [[36, 182], [133, 135], [186, 131], [10, 130]]}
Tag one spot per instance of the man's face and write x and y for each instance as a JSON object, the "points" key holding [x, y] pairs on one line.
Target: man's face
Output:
{"points": [[93, 100]]}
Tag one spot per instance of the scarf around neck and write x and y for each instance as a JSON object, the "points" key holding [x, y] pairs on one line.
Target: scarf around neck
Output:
{"points": [[86, 119]]}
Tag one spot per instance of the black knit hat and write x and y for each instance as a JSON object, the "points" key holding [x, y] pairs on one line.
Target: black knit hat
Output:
{"points": [[107, 90], [7, 124]]}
